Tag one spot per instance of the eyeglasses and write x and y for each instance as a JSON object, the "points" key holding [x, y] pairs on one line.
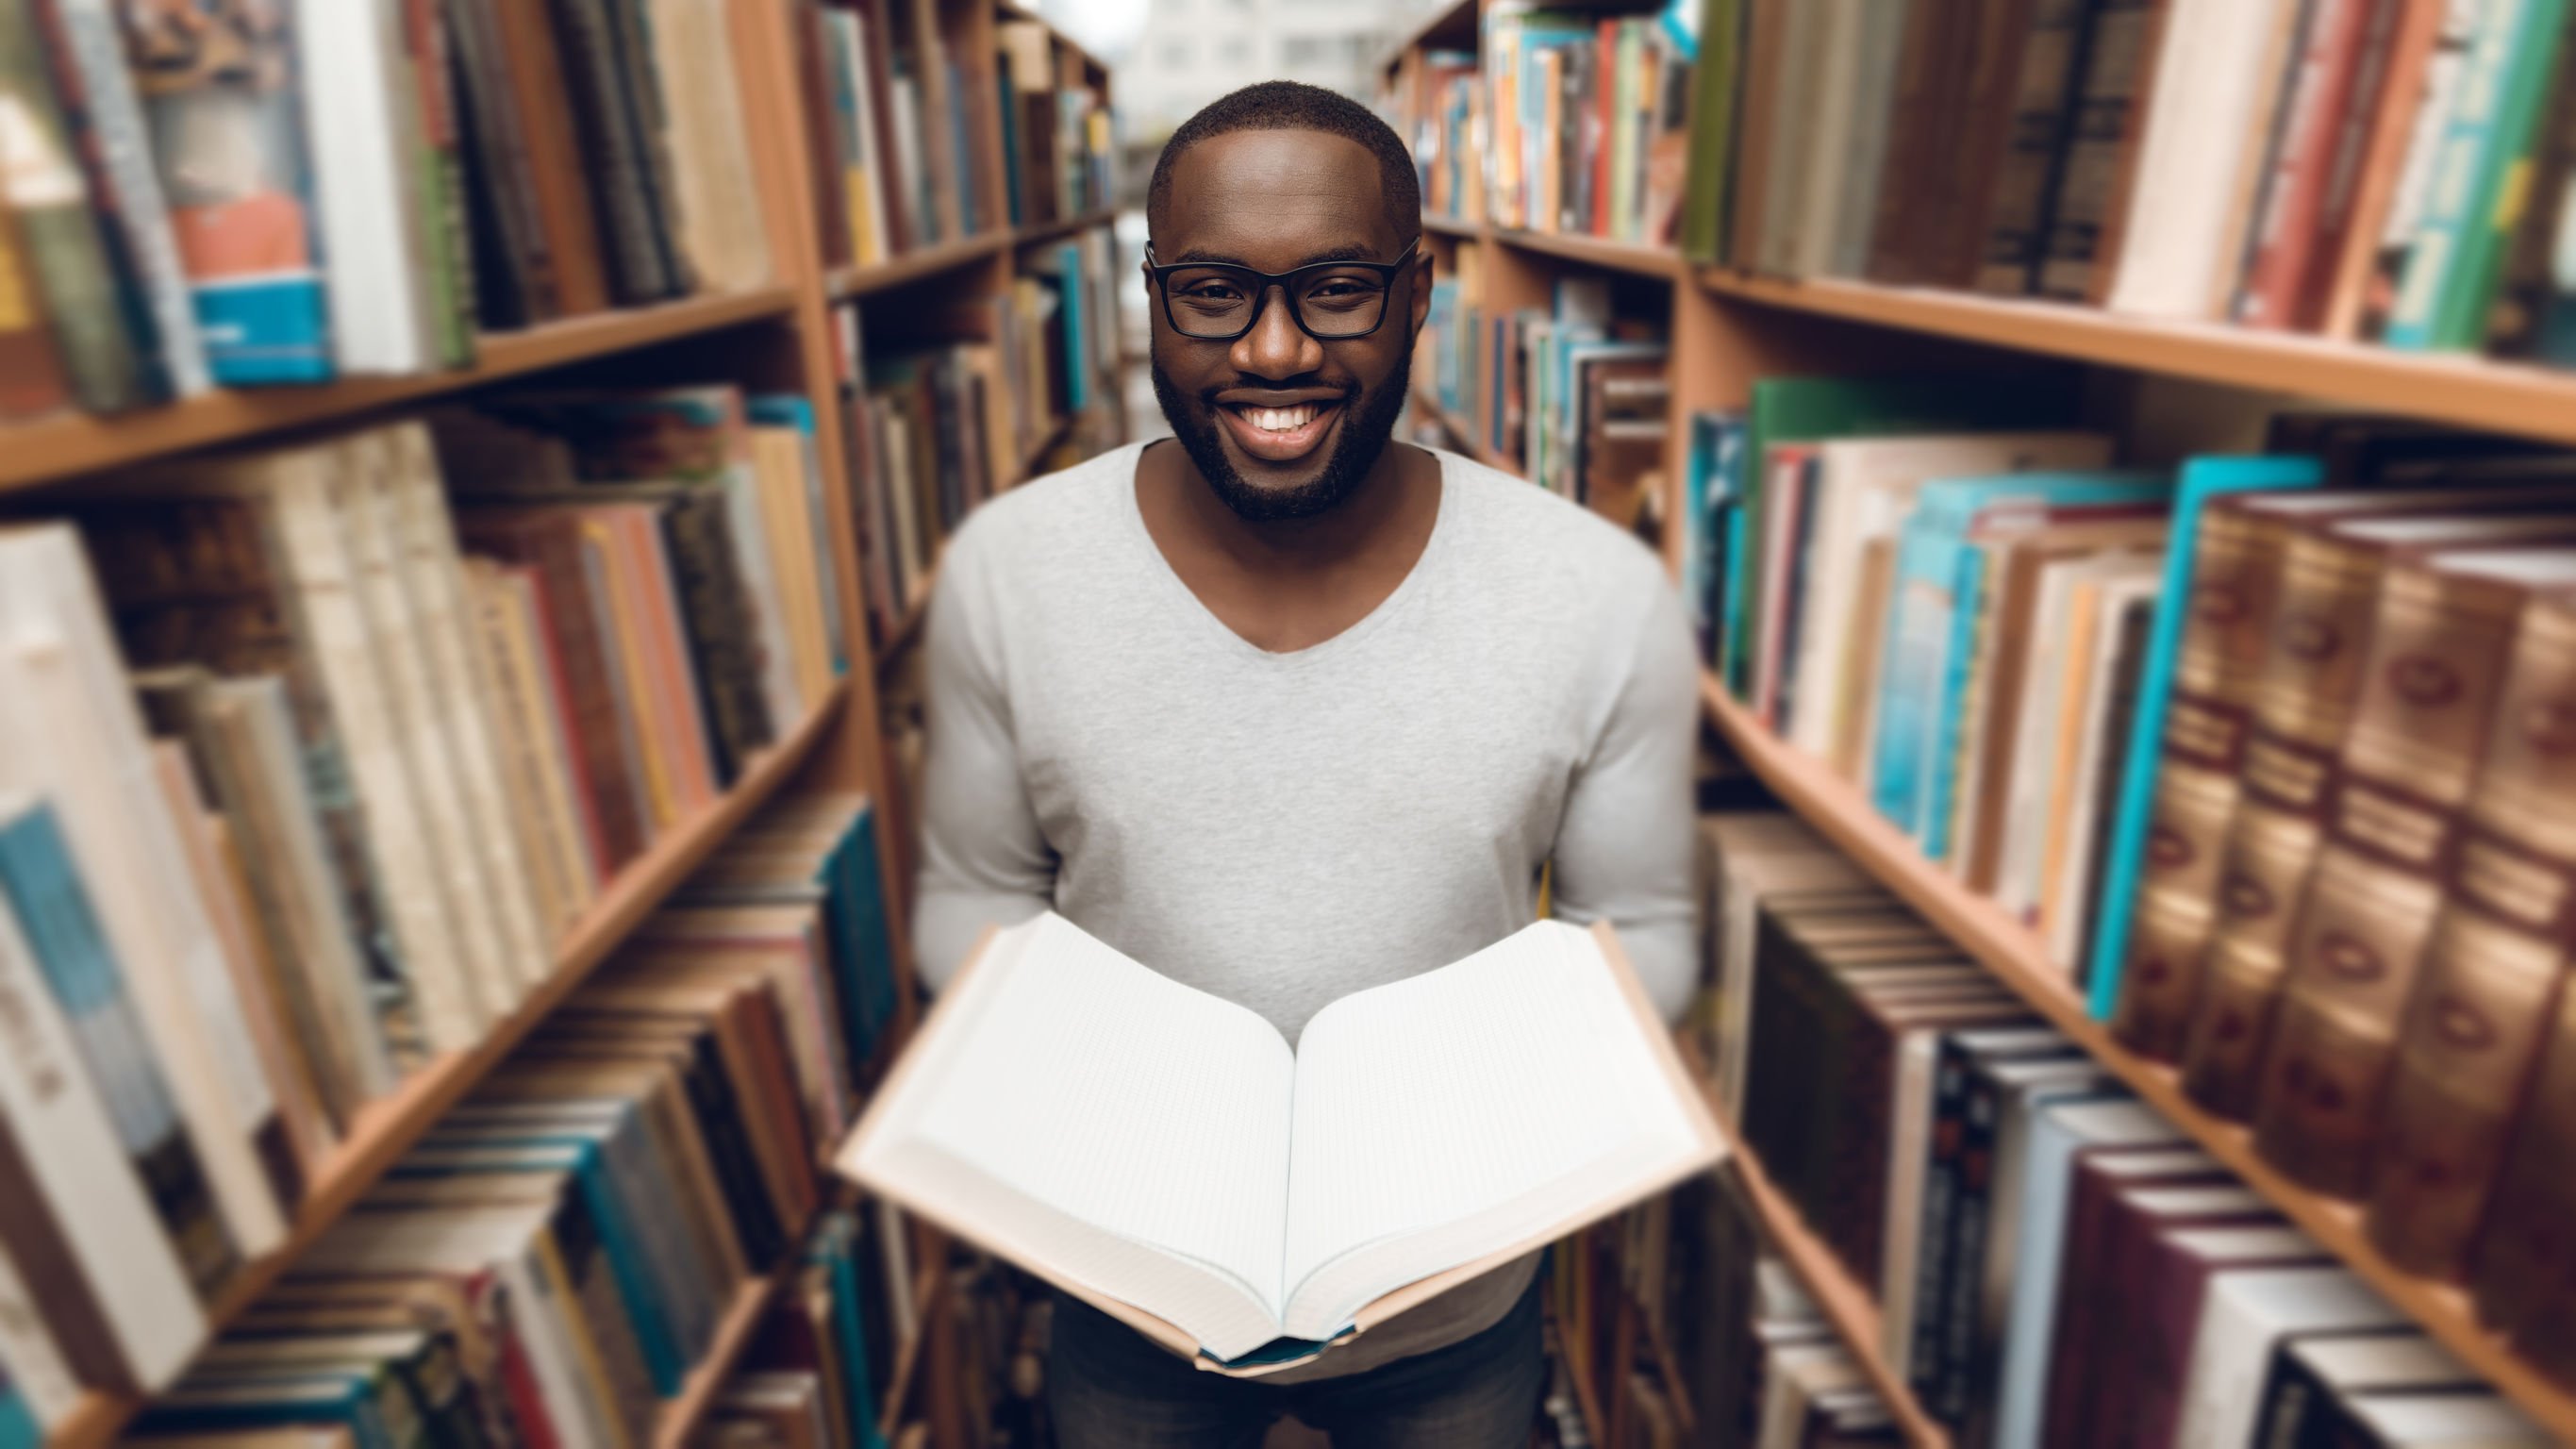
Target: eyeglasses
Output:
{"points": [[1329, 301]]}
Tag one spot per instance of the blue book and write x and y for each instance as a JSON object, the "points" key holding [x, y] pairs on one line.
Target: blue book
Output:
{"points": [[862, 939], [42, 886], [793, 410], [1931, 628], [1077, 345], [2116, 881], [650, 1307], [1708, 513], [834, 1246]]}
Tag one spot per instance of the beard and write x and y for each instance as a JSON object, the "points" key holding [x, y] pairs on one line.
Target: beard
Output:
{"points": [[1367, 424]]}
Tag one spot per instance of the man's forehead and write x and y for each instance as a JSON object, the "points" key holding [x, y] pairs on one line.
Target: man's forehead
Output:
{"points": [[1275, 199]]}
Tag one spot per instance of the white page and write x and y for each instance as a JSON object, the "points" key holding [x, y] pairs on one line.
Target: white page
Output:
{"points": [[1485, 1100], [1046, 1092]]}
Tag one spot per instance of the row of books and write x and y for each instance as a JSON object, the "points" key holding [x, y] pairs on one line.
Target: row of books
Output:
{"points": [[229, 195], [1575, 396], [303, 791], [545, 1265], [2258, 749], [2053, 1261], [555, 1257], [950, 406], [912, 138], [2385, 168], [1584, 118]]}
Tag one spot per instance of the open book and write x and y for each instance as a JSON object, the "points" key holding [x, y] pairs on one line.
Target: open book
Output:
{"points": [[1165, 1155]]}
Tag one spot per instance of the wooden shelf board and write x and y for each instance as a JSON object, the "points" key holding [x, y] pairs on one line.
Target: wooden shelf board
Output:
{"points": [[386, 1128], [2465, 390], [682, 1414], [73, 444], [1848, 1307], [1049, 231], [2015, 955], [912, 266], [1457, 226], [1659, 262], [929, 1295]]}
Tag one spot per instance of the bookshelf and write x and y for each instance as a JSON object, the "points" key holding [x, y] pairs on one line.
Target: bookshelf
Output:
{"points": [[782, 336], [1730, 325]]}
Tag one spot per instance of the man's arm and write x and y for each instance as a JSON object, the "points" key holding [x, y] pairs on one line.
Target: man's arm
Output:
{"points": [[984, 861], [1624, 851]]}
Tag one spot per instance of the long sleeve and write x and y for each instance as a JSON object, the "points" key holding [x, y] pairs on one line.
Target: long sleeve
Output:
{"points": [[1624, 848], [984, 860]]}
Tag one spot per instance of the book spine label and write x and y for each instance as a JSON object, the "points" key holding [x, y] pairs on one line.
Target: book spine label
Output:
{"points": [[2438, 650]]}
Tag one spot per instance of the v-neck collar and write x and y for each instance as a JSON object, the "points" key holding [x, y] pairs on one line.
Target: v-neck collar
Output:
{"points": [[1222, 635]]}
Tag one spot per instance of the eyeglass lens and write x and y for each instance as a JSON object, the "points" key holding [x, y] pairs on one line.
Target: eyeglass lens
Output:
{"points": [[1218, 301]]}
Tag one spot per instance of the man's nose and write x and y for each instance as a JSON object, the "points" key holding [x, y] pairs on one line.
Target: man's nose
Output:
{"points": [[1276, 346]]}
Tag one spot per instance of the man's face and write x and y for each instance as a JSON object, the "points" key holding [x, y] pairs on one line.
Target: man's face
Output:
{"points": [[1274, 201]]}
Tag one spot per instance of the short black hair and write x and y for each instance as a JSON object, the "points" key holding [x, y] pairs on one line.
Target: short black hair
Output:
{"points": [[1292, 106]]}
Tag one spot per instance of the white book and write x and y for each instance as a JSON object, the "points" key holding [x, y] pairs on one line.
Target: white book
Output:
{"points": [[2243, 1320], [719, 219], [2447, 1421], [413, 500], [2209, 74], [1167, 1156], [70, 729], [1864, 488], [364, 174], [58, 1128], [396, 642]]}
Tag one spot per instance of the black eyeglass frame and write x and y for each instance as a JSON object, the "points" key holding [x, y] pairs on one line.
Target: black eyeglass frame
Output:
{"points": [[1387, 273]]}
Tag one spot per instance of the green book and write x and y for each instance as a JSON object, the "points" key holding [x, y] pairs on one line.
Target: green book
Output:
{"points": [[1714, 104], [2504, 180]]}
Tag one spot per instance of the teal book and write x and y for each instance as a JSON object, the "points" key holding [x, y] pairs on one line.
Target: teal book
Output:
{"points": [[2124, 845], [863, 942], [1931, 626], [1811, 409], [2452, 269], [1077, 342], [650, 1305], [18, 1428], [835, 1246], [791, 410], [1708, 515]]}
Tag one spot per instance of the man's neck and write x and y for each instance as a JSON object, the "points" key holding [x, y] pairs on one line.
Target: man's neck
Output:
{"points": [[1288, 584]]}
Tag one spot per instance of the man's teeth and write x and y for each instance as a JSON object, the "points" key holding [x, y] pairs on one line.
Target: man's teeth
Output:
{"points": [[1280, 420]]}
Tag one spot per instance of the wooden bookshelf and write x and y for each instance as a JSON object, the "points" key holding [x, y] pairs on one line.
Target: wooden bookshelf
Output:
{"points": [[2460, 389], [913, 266], [386, 1128], [72, 445], [1851, 1309], [1049, 231], [684, 1412], [2014, 954]]}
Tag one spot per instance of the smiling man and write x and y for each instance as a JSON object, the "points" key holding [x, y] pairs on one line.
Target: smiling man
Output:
{"points": [[1286, 711]]}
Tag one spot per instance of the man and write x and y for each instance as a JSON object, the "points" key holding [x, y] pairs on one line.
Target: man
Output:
{"points": [[1286, 712]]}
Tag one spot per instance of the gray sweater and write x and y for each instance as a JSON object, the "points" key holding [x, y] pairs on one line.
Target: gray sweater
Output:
{"points": [[1286, 829]]}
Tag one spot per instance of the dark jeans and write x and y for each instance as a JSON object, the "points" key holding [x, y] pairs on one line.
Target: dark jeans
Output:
{"points": [[1107, 1386]]}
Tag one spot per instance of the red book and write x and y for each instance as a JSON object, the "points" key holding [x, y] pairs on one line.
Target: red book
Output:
{"points": [[2107, 1220]]}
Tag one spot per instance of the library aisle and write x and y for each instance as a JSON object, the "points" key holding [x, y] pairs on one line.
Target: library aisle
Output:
{"points": [[474, 476]]}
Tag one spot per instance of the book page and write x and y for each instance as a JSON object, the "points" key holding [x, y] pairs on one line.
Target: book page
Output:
{"points": [[1450, 1115], [1121, 1098]]}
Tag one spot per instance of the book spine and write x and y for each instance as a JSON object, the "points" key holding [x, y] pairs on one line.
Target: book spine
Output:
{"points": [[2338, 36], [438, 169], [2470, 154], [513, 276], [2492, 970], [2110, 114], [534, 763], [88, 55], [2528, 286], [36, 1381], [648, 103], [308, 539], [32, 382], [106, 1190], [2201, 750], [612, 154], [2043, 109], [69, 253], [2438, 650], [716, 610], [2504, 185], [826, 112], [566, 208], [2413, 162], [2523, 1255], [2311, 678]]}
